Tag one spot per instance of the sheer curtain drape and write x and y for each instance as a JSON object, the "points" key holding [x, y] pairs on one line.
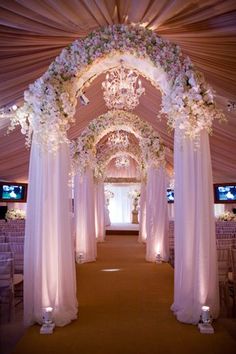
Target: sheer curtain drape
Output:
{"points": [[86, 248], [49, 266], [196, 280], [120, 206], [157, 215], [100, 211], [142, 214]]}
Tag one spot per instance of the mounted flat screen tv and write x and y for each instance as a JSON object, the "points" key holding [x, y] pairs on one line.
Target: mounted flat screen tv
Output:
{"points": [[170, 195], [13, 192], [225, 193]]}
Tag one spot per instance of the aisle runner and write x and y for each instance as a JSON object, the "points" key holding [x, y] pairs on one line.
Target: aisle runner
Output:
{"points": [[125, 309]]}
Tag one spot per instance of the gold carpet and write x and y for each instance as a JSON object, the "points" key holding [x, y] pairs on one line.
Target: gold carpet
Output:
{"points": [[126, 311]]}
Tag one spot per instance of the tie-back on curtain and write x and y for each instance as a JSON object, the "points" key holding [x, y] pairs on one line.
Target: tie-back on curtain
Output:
{"points": [[196, 278], [49, 266], [142, 214], [86, 248], [100, 211], [156, 215]]}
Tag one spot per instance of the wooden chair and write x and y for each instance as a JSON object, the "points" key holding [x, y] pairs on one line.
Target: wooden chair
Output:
{"points": [[15, 239], [8, 282], [4, 247], [2, 239], [233, 278], [223, 258], [17, 250]]}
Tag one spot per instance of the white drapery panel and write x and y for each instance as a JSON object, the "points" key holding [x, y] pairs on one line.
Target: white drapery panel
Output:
{"points": [[156, 215], [100, 211], [196, 279], [49, 266], [120, 206], [86, 248], [142, 214]]}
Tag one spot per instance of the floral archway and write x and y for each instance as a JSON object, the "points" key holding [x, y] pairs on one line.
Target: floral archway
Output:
{"points": [[104, 158], [45, 118], [83, 149], [50, 102]]}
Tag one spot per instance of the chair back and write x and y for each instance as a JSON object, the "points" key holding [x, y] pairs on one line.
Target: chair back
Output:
{"points": [[6, 273], [223, 258], [4, 247], [233, 262]]}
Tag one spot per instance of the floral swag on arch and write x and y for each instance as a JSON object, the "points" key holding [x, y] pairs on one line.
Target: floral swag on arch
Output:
{"points": [[50, 102], [83, 149]]}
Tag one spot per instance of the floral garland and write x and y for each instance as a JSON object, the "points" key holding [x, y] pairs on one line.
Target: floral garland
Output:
{"points": [[51, 101], [227, 216], [15, 214], [83, 149]]}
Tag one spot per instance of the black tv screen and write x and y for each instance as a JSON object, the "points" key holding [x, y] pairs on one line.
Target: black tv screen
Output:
{"points": [[170, 195], [13, 192], [225, 193]]}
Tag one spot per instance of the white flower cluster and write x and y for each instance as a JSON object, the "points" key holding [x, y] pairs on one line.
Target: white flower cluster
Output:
{"points": [[50, 102], [227, 216], [190, 105], [13, 214]]}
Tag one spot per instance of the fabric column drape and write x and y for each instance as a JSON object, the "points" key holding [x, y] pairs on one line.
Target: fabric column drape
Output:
{"points": [[196, 279], [49, 266], [100, 211], [156, 215], [86, 248], [142, 214]]}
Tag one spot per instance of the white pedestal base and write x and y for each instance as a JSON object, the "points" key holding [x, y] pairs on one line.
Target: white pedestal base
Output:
{"points": [[205, 328], [47, 328]]}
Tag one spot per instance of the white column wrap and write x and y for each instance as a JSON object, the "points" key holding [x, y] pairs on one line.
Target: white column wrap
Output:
{"points": [[85, 217], [49, 266], [100, 211], [142, 214], [157, 215], [196, 279]]}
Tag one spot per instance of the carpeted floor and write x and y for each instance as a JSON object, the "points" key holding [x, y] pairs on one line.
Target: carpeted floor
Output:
{"points": [[125, 308]]}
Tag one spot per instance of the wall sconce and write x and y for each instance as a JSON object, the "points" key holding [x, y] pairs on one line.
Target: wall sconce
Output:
{"points": [[204, 324], [48, 324]]}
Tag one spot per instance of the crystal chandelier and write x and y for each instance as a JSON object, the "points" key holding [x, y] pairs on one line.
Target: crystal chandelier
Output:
{"points": [[122, 161], [118, 139], [122, 88]]}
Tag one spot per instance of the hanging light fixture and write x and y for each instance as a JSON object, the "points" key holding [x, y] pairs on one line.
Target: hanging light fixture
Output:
{"points": [[122, 88], [122, 161], [118, 139]]}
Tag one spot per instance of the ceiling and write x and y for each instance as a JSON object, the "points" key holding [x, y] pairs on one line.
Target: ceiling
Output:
{"points": [[33, 33]]}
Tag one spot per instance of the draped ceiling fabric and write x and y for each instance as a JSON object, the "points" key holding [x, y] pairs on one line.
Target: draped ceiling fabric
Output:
{"points": [[33, 33]]}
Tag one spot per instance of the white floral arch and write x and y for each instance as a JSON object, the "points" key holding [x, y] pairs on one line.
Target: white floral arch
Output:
{"points": [[45, 118], [105, 157], [50, 102], [83, 149]]}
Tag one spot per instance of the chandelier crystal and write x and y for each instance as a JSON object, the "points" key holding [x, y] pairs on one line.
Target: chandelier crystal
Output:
{"points": [[122, 161], [118, 139], [122, 89]]}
